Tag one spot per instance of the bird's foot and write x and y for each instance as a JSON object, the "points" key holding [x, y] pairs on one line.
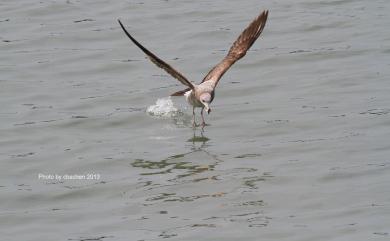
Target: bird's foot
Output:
{"points": [[203, 124]]}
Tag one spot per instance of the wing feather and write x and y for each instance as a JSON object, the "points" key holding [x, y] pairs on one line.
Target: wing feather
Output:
{"points": [[159, 62], [239, 48]]}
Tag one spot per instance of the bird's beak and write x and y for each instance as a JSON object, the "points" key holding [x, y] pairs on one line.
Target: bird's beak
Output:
{"points": [[207, 108]]}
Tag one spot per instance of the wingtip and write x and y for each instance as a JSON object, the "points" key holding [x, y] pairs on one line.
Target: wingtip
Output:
{"points": [[265, 13]]}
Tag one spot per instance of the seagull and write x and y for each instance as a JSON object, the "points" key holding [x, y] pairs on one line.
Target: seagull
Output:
{"points": [[202, 95]]}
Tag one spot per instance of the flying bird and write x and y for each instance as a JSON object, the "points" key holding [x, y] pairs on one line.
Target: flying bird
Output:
{"points": [[202, 95]]}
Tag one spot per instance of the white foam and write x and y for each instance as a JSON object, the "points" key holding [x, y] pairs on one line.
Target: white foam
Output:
{"points": [[163, 108]]}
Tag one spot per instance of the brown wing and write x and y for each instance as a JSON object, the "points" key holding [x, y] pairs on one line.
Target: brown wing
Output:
{"points": [[159, 62], [239, 48]]}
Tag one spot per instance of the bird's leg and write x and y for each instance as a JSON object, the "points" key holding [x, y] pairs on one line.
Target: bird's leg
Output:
{"points": [[201, 113], [193, 117]]}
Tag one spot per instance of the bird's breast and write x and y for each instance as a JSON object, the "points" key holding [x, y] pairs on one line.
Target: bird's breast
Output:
{"points": [[191, 99]]}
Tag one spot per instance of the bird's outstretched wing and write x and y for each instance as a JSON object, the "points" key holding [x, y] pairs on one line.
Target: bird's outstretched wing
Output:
{"points": [[239, 48], [159, 62]]}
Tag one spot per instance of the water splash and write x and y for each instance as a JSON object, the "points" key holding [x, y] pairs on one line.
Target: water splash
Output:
{"points": [[163, 108]]}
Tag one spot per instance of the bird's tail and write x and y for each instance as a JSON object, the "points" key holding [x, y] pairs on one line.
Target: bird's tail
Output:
{"points": [[181, 92]]}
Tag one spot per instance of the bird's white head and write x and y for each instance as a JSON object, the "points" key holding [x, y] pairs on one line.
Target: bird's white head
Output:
{"points": [[205, 99]]}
